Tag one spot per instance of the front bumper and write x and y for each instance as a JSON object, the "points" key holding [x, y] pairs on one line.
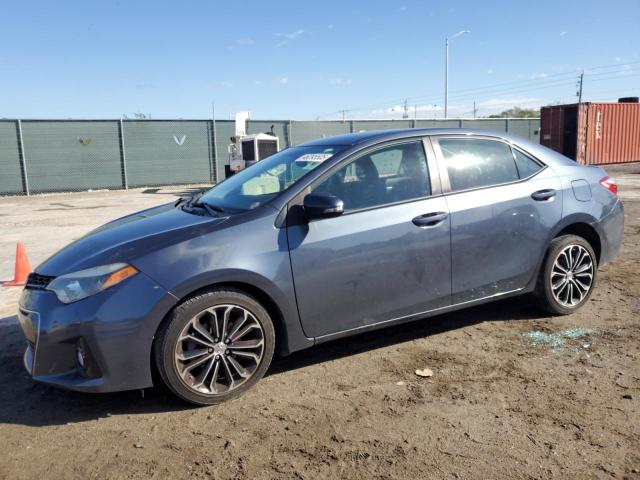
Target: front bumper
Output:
{"points": [[114, 330]]}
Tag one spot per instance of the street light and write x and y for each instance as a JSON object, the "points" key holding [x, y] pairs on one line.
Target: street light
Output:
{"points": [[446, 67]]}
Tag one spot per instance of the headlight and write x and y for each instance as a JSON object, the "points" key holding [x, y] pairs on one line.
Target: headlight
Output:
{"points": [[84, 283]]}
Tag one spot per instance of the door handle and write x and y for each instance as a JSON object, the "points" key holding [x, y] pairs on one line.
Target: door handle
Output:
{"points": [[542, 195], [430, 219]]}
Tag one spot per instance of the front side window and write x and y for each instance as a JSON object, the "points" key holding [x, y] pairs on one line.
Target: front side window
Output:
{"points": [[391, 174], [474, 162], [261, 182]]}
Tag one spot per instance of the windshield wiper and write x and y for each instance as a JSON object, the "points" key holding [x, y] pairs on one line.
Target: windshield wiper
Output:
{"points": [[211, 209], [194, 204]]}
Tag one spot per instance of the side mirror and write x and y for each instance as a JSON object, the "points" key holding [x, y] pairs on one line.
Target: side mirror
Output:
{"points": [[322, 205]]}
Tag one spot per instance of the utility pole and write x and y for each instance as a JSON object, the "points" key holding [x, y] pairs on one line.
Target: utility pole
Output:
{"points": [[344, 112], [405, 113], [415, 112], [446, 75], [446, 67], [579, 92]]}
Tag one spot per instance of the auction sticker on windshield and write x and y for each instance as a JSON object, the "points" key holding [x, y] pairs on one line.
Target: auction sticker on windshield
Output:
{"points": [[314, 157]]}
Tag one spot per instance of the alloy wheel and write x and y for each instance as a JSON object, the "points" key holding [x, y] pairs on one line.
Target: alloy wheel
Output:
{"points": [[572, 275], [219, 349]]}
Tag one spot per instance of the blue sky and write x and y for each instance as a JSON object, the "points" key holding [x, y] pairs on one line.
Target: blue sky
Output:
{"points": [[307, 60]]}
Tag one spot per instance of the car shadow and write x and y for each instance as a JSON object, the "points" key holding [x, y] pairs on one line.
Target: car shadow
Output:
{"points": [[25, 402], [513, 309]]}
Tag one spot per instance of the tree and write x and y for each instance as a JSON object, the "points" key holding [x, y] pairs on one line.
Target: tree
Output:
{"points": [[517, 112]]}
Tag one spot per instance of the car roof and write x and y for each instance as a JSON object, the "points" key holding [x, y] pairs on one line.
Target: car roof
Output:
{"points": [[364, 139], [351, 139]]}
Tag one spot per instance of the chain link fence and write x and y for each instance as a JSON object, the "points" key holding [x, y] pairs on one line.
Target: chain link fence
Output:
{"points": [[38, 156]]}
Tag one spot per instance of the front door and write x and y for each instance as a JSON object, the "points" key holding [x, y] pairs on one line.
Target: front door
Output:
{"points": [[387, 257]]}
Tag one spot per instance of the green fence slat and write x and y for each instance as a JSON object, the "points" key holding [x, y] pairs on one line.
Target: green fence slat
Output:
{"points": [[225, 129], [369, 125], [167, 152], [71, 155], [10, 170], [304, 131]]}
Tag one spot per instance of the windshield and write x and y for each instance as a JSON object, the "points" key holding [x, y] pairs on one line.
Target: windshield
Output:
{"points": [[261, 182]]}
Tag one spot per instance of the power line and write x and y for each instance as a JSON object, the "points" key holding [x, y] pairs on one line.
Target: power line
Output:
{"points": [[537, 86], [498, 87], [620, 66], [520, 90]]}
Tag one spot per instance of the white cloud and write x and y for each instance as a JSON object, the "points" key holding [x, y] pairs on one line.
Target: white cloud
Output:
{"points": [[491, 106], [397, 110], [563, 33], [539, 76], [146, 86], [340, 81], [245, 41], [455, 110], [403, 8], [625, 70], [227, 83], [330, 26], [490, 71], [508, 102], [282, 80], [618, 59], [289, 37]]}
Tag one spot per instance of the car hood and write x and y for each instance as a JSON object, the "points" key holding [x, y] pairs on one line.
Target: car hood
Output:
{"points": [[126, 238]]}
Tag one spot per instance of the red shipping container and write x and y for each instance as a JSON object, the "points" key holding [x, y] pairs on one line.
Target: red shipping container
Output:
{"points": [[593, 133]]}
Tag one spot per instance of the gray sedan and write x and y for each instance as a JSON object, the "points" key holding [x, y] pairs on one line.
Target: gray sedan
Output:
{"points": [[327, 239]]}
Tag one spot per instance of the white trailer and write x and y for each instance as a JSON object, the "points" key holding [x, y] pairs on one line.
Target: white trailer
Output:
{"points": [[246, 150]]}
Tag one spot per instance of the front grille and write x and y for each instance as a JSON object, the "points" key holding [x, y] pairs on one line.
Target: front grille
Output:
{"points": [[36, 281]]}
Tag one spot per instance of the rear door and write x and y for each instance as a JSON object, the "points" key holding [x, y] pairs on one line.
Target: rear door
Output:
{"points": [[503, 204], [387, 257]]}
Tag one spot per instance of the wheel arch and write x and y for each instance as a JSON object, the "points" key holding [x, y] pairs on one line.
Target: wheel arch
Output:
{"points": [[280, 305], [263, 298], [582, 227], [580, 224]]}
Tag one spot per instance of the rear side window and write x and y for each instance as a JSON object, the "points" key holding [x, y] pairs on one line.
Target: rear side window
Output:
{"points": [[474, 162], [527, 166]]}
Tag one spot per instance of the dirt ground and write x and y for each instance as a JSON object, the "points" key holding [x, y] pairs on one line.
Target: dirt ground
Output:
{"points": [[514, 393]]}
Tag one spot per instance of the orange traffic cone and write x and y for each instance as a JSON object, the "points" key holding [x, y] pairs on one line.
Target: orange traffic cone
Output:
{"points": [[23, 267]]}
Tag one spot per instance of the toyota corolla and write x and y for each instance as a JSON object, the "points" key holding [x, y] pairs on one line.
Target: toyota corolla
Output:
{"points": [[326, 239]]}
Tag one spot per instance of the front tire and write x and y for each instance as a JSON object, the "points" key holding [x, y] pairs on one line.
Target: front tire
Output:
{"points": [[568, 275], [214, 346]]}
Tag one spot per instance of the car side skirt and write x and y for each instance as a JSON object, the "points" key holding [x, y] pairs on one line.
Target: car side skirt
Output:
{"points": [[423, 315]]}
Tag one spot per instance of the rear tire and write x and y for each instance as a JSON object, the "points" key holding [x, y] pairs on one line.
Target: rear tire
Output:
{"points": [[214, 346], [568, 275]]}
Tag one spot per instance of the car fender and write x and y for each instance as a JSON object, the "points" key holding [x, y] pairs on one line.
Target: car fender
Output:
{"points": [[288, 324], [577, 217]]}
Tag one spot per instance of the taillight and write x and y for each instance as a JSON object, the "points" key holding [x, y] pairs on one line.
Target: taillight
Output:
{"points": [[610, 184]]}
